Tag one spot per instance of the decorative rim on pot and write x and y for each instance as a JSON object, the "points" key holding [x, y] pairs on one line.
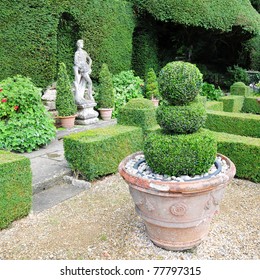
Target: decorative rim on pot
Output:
{"points": [[200, 185]]}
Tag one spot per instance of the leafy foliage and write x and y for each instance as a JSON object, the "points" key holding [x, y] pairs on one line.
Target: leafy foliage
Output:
{"points": [[211, 92], [238, 74], [127, 86], [25, 124], [106, 96], [65, 103]]}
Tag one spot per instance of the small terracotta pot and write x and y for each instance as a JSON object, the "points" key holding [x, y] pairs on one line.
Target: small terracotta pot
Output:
{"points": [[177, 215], [105, 113], [68, 121]]}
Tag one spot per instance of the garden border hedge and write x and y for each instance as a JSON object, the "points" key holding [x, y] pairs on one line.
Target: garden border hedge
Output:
{"points": [[232, 103], [98, 152], [243, 151], [15, 187], [251, 105], [234, 123]]}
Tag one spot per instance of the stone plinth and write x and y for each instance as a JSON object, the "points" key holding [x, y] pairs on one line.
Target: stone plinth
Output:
{"points": [[86, 114]]}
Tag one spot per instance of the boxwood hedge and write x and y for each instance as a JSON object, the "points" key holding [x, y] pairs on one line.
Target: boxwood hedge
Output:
{"points": [[251, 105], [214, 105], [98, 152], [234, 123], [138, 112], [243, 151], [15, 187], [232, 103]]}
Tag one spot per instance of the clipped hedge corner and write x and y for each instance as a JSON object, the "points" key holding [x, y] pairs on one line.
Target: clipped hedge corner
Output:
{"points": [[251, 105], [98, 152], [15, 187], [233, 103], [243, 151], [138, 112], [214, 105]]}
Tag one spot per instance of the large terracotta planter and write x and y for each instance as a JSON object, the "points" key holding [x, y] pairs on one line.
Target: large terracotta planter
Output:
{"points": [[105, 113], [68, 121], [177, 215]]}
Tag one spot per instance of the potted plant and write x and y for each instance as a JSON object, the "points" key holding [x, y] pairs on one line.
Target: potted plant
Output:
{"points": [[152, 88], [65, 103], [178, 181], [106, 95]]}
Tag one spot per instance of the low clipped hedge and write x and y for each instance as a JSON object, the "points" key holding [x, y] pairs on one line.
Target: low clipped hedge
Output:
{"points": [[234, 123], [181, 119], [15, 187], [232, 103], [138, 112], [251, 105], [181, 154], [214, 105], [98, 152], [243, 151]]}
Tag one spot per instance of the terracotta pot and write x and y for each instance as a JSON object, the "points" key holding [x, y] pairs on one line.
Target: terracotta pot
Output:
{"points": [[68, 121], [105, 113], [155, 102], [177, 215]]}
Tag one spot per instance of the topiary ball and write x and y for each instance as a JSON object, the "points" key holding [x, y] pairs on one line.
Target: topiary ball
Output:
{"points": [[180, 82], [180, 154], [181, 119]]}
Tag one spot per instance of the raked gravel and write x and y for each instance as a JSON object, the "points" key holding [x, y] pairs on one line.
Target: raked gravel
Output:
{"points": [[101, 223]]}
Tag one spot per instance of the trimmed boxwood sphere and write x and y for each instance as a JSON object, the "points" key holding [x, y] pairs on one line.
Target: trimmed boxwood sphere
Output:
{"points": [[180, 82], [181, 119], [180, 154]]}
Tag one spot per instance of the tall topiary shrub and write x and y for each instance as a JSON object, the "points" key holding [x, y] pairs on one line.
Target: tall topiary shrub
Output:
{"points": [[151, 85], [106, 96], [65, 103], [181, 147]]}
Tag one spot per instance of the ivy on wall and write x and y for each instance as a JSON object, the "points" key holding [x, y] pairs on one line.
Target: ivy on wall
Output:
{"points": [[36, 35]]}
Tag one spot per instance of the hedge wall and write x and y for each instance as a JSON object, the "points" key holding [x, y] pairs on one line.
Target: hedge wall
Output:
{"points": [[37, 34], [217, 14], [244, 152], [214, 105], [232, 103], [15, 187], [251, 105], [234, 123], [98, 152]]}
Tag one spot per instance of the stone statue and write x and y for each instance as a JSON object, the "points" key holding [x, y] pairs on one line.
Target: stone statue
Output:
{"points": [[82, 70]]}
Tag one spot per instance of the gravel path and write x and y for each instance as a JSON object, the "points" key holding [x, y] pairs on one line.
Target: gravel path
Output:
{"points": [[101, 223]]}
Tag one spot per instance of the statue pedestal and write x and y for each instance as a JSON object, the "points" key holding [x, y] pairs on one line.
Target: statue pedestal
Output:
{"points": [[86, 114]]}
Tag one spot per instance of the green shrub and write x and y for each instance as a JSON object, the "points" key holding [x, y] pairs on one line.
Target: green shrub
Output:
{"points": [[190, 154], [238, 74], [239, 88], [65, 103], [25, 125], [251, 105], [232, 103], [214, 105], [138, 112], [106, 95], [15, 187], [151, 85], [181, 119], [98, 152], [244, 152], [180, 82], [127, 86], [234, 123], [211, 92]]}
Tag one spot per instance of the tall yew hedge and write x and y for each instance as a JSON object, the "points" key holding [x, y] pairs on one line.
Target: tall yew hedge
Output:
{"points": [[36, 35]]}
